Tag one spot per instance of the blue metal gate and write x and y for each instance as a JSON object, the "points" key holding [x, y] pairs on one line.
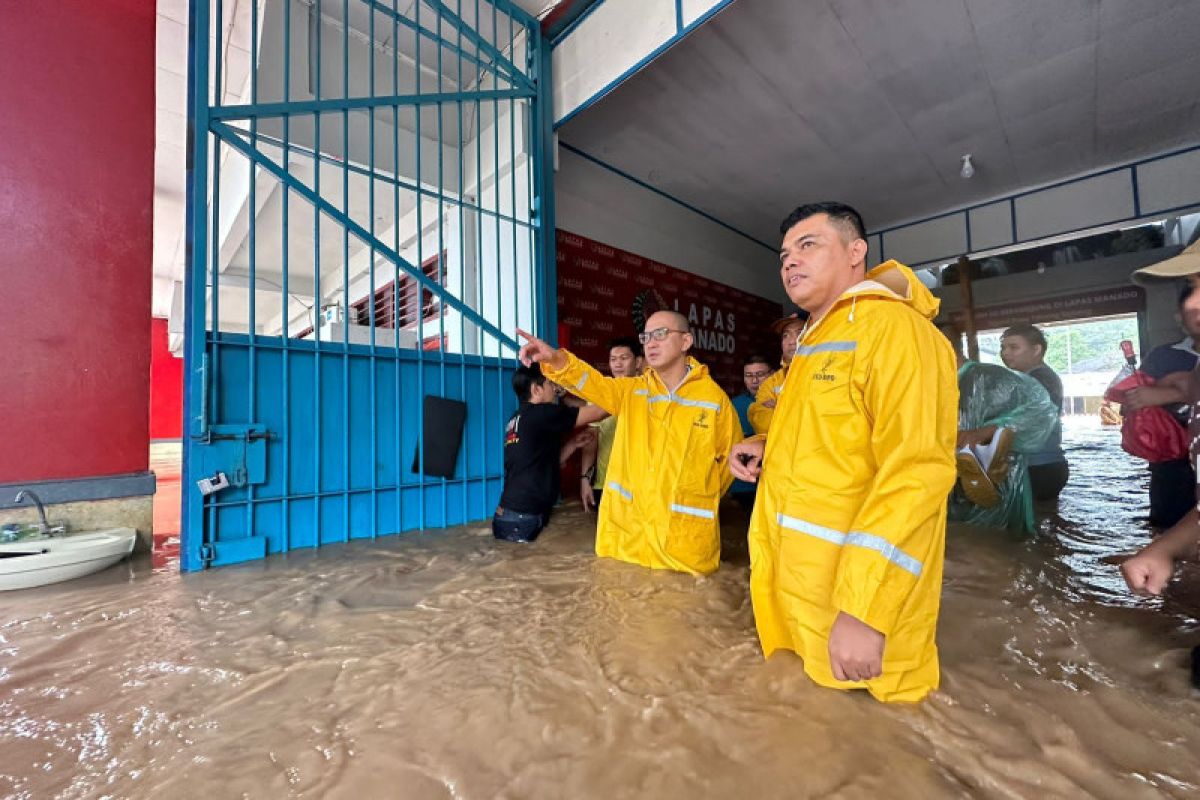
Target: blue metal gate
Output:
{"points": [[369, 220]]}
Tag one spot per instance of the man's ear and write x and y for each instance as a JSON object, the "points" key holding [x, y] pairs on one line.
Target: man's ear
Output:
{"points": [[858, 251], [688, 341]]}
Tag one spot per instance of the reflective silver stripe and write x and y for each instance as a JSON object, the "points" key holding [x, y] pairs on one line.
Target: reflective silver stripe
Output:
{"points": [[868, 541], [778, 389], [826, 347], [683, 401], [888, 550], [621, 490], [819, 531], [666, 398], [582, 381], [695, 512]]}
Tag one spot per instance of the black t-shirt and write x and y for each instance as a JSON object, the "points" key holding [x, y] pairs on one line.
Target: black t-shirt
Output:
{"points": [[531, 445]]}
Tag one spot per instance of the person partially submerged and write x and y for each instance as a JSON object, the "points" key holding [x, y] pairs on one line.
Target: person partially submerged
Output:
{"points": [[667, 470]]}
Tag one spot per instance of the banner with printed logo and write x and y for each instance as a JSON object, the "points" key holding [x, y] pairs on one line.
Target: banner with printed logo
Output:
{"points": [[604, 292]]}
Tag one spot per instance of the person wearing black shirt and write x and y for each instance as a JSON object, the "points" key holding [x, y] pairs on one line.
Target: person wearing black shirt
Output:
{"points": [[532, 446], [1023, 348]]}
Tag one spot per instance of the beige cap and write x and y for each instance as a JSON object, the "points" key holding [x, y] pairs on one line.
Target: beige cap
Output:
{"points": [[1185, 264]]}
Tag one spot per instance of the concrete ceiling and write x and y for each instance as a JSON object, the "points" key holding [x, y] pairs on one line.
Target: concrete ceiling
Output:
{"points": [[874, 102]]}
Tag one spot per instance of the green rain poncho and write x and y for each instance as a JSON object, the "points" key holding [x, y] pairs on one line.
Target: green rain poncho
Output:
{"points": [[993, 395]]}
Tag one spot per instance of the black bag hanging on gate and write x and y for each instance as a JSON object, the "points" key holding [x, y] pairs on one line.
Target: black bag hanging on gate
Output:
{"points": [[442, 435]]}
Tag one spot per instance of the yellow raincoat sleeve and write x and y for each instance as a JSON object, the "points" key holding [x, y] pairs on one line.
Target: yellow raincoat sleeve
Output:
{"points": [[582, 379], [759, 413], [911, 397], [729, 433]]}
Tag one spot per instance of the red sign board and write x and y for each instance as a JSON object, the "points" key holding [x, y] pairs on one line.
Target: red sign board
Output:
{"points": [[604, 292]]}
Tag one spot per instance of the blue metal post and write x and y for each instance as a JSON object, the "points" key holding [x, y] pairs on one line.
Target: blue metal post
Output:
{"points": [[195, 285]]}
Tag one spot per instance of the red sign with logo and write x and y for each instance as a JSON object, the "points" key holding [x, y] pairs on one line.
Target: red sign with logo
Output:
{"points": [[604, 292]]}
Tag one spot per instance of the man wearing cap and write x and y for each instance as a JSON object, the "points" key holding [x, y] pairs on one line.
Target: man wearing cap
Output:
{"points": [[762, 409], [1149, 571]]}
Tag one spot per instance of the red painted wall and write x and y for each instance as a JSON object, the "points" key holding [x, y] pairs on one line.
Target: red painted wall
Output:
{"points": [[76, 193], [604, 292], [166, 385]]}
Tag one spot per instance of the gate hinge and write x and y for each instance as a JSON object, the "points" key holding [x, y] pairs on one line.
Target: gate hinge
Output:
{"points": [[207, 554]]}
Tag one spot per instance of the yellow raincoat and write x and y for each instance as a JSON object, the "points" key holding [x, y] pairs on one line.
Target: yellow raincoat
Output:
{"points": [[668, 467], [851, 514], [759, 414]]}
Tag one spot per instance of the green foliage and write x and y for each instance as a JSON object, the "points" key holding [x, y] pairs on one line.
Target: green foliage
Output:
{"points": [[1075, 347]]}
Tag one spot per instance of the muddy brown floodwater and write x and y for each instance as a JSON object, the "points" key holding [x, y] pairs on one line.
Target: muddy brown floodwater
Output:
{"points": [[450, 665]]}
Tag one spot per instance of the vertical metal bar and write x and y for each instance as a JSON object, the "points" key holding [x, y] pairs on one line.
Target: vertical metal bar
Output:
{"points": [[479, 286], [252, 219], [441, 262], [285, 300], [373, 363], [546, 262], [346, 276], [214, 264], [417, 286], [462, 276], [318, 300], [532, 129], [219, 50], [195, 284], [512, 183], [496, 193], [397, 298]]}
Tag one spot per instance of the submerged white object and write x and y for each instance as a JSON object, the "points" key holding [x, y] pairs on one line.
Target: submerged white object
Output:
{"points": [[37, 562]]}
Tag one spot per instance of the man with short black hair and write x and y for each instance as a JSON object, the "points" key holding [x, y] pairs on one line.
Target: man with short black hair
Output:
{"points": [[625, 360], [532, 444], [755, 369], [847, 537], [1023, 349]]}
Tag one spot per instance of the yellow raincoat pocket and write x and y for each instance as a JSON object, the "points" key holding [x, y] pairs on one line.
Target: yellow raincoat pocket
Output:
{"points": [[692, 533]]}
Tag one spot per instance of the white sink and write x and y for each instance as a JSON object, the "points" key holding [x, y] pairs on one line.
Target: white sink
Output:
{"points": [[37, 562]]}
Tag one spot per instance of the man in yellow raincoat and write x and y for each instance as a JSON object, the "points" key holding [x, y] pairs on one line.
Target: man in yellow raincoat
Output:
{"points": [[763, 407], [848, 533], [667, 470]]}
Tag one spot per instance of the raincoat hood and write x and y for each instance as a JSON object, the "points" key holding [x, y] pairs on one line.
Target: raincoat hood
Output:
{"points": [[891, 280]]}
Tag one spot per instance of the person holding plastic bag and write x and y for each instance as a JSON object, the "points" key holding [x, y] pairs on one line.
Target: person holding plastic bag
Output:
{"points": [[1148, 431], [1003, 417], [1172, 477], [1151, 569]]}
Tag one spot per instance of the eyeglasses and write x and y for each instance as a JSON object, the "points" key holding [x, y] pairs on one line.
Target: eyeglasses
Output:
{"points": [[658, 334], [754, 376]]}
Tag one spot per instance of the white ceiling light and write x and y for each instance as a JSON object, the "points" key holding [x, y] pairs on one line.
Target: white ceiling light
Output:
{"points": [[968, 169]]}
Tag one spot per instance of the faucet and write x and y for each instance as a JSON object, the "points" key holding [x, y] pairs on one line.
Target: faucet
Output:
{"points": [[37, 501]]}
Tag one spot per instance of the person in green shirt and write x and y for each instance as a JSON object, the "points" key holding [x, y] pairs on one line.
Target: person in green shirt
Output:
{"points": [[625, 360]]}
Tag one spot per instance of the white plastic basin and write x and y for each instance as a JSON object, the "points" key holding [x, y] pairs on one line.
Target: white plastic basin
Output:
{"points": [[37, 562]]}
